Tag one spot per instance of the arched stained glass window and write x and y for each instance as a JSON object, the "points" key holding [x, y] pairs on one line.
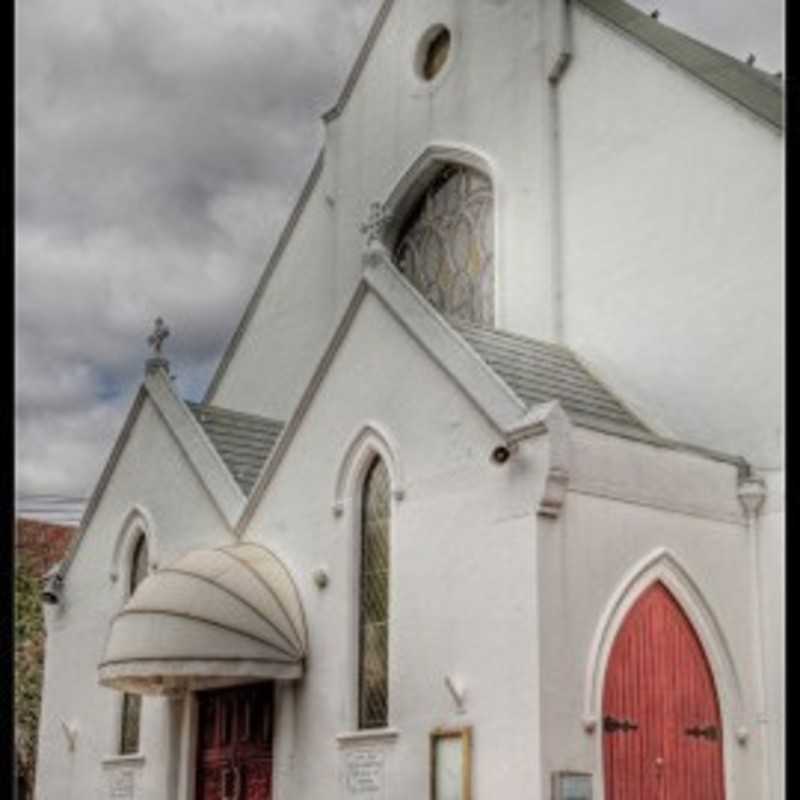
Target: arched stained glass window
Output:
{"points": [[138, 564], [373, 668], [132, 703], [446, 246]]}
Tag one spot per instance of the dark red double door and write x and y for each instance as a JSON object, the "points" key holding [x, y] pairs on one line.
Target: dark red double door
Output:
{"points": [[662, 733], [234, 749]]}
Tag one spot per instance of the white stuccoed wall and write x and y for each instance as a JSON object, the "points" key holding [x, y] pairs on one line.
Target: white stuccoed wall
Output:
{"points": [[462, 581], [153, 473], [481, 589], [484, 102], [672, 247], [771, 534], [673, 243], [294, 319], [672, 217], [626, 502]]}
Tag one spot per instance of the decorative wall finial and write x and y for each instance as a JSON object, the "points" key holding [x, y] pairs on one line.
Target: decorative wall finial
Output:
{"points": [[156, 342], [377, 222]]}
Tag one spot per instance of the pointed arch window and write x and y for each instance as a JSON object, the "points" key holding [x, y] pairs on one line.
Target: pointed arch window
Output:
{"points": [[446, 244], [373, 665], [130, 717]]}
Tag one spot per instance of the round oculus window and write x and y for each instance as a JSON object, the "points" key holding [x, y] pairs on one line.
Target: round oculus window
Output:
{"points": [[433, 52]]}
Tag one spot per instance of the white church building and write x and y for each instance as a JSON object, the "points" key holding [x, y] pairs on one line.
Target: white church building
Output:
{"points": [[485, 498]]}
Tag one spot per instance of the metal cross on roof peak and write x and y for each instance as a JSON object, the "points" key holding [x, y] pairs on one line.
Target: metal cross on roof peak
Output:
{"points": [[157, 337]]}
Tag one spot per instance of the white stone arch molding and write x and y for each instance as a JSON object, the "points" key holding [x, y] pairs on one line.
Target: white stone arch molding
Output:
{"points": [[370, 440], [417, 177], [136, 522], [662, 565]]}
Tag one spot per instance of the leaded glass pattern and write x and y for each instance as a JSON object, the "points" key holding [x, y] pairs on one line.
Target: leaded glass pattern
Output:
{"points": [[132, 703], [436, 54], [373, 678], [138, 564], [131, 714], [447, 247]]}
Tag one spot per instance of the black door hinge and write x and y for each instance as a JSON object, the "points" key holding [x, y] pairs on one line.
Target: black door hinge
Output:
{"points": [[611, 725], [710, 732]]}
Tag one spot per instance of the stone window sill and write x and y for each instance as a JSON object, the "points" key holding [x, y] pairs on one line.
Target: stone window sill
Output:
{"points": [[132, 760], [368, 735]]}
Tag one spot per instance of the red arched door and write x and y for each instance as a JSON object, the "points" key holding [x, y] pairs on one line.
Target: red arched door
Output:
{"points": [[662, 734]]}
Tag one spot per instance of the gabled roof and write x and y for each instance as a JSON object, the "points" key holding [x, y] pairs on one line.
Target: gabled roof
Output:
{"points": [[508, 378], [749, 86], [243, 441], [540, 372], [753, 88], [516, 383], [195, 444]]}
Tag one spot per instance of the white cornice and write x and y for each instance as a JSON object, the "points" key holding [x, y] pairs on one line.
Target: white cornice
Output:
{"points": [[491, 397], [103, 480], [360, 62]]}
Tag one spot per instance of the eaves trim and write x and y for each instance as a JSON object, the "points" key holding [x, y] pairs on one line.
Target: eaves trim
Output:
{"points": [[192, 440], [103, 480], [754, 91], [198, 448], [261, 286], [360, 62], [491, 397]]}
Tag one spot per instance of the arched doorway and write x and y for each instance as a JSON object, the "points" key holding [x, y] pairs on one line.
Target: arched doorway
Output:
{"points": [[662, 731]]}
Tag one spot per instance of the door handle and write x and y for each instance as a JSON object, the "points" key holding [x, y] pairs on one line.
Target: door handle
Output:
{"points": [[228, 782]]}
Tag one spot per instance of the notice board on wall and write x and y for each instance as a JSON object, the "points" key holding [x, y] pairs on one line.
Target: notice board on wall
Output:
{"points": [[451, 767]]}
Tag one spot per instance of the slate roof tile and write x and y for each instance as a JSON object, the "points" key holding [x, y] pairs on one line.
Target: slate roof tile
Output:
{"points": [[243, 441], [539, 372]]}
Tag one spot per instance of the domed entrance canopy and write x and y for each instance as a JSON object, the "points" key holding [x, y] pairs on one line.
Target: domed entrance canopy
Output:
{"points": [[213, 618]]}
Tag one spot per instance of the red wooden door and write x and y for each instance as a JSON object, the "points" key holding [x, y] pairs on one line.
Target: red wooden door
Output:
{"points": [[662, 733], [234, 748]]}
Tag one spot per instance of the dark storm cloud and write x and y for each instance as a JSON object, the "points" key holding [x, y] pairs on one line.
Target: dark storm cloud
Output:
{"points": [[160, 146], [159, 149]]}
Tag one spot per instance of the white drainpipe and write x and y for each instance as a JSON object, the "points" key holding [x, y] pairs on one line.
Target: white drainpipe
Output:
{"points": [[557, 71], [752, 491]]}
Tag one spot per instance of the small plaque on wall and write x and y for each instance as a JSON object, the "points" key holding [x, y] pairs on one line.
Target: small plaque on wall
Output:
{"points": [[365, 774], [572, 786], [451, 764], [121, 784]]}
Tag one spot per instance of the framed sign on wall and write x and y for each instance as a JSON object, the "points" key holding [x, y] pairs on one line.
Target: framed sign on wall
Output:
{"points": [[572, 786], [451, 764]]}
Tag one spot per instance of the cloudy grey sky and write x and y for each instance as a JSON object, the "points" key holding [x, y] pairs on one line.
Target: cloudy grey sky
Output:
{"points": [[160, 146]]}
